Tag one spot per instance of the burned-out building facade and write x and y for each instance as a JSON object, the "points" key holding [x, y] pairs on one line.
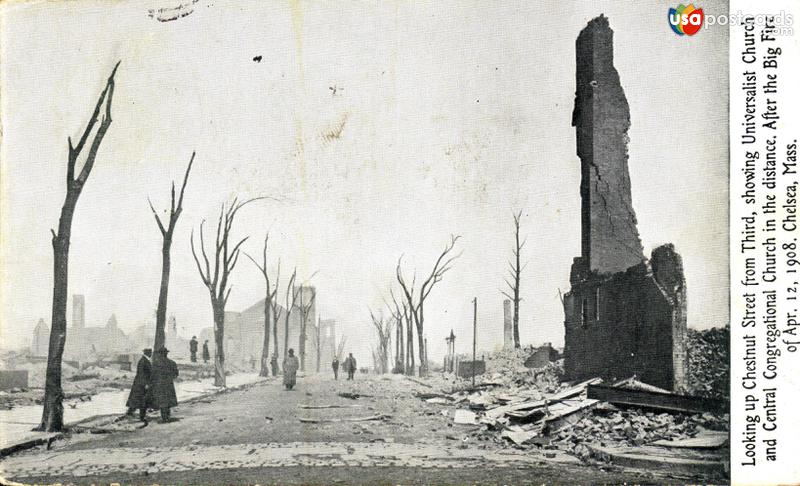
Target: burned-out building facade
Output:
{"points": [[624, 315]]}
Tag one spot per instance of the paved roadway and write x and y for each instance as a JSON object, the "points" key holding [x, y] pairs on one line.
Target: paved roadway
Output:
{"points": [[256, 436]]}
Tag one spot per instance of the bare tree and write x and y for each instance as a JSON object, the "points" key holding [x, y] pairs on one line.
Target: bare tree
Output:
{"points": [[305, 310], [340, 348], [384, 328], [216, 278], [291, 300], [276, 316], [317, 339], [53, 410], [516, 271], [399, 311], [167, 231], [416, 303], [269, 297]]}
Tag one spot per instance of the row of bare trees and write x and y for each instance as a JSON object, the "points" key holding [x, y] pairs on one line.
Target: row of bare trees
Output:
{"points": [[407, 314], [215, 269]]}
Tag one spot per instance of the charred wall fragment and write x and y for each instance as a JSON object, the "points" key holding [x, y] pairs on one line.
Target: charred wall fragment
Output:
{"points": [[624, 315]]}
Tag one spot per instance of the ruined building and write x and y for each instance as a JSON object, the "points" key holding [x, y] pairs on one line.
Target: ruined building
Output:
{"points": [[624, 315]]}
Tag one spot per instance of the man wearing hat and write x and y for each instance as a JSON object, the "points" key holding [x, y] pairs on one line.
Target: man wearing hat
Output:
{"points": [[193, 349], [141, 384], [162, 389]]}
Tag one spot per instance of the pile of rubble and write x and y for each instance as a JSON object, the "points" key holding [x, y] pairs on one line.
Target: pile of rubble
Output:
{"points": [[709, 355], [530, 408], [507, 369]]}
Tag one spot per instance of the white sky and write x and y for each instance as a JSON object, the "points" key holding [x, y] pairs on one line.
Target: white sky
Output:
{"points": [[456, 114]]}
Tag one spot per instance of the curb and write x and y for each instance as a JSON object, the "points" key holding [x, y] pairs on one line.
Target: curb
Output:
{"points": [[674, 465], [53, 436]]}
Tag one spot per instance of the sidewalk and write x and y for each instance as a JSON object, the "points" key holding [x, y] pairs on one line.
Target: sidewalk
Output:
{"points": [[137, 461], [16, 424]]}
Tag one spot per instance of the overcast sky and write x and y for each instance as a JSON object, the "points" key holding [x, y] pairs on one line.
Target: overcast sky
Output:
{"points": [[453, 115]]}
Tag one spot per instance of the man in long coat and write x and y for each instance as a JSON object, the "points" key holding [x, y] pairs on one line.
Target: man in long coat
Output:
{"points": [[193, 349], [141, 382], [162, 389], [290, 366], [206, 354], [335, 366], [350, 366]]}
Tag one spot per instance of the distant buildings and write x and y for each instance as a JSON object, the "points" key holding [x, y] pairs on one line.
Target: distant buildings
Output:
{"points": [[244, 334], [89, 344]]}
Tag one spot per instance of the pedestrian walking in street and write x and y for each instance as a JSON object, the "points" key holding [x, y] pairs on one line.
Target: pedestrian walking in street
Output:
{"points": [[137, 399], [273, 362], [335, 366], [350, 366], [162, 390], [290, 366], [206, 354], [193, 349]]}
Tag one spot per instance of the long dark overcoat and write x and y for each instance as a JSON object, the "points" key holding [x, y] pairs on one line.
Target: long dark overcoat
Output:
{"points": [[290, 366], [138, 395], [162, 389]]}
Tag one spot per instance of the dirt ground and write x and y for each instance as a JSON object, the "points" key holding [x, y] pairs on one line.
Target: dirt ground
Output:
{"points": [[243, 424]]}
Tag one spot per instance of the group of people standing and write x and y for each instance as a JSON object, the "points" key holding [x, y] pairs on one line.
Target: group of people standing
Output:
{"points": [[153, 386], [291, 364], [349, 366], [193, 350]]}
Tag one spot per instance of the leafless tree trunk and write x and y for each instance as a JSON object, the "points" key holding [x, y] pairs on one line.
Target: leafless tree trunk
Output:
{"points": [[443, 265], [276, 316], [53, 410], [305, 309], [317, 337], [166, 234], [410, 365], [216, 279], [340, 349], [399, 312], [516, 271], [291, 299], [384, 328], [269, 295]]}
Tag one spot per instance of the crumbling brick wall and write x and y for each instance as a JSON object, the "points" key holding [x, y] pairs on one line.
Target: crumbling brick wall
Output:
{"points": [[624, 316]]}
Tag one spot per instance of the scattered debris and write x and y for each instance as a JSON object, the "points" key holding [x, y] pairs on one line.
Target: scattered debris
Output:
{"points": [[346, 419], [352, 396], [656, 400], [524, 408], [316, 407], [465, 417]]}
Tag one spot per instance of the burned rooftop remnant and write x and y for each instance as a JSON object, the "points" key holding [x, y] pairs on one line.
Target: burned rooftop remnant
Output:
{"points": [[624, 315]]}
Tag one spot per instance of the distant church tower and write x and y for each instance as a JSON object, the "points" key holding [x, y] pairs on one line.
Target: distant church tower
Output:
{"points": [[41, 339], [78, 311]]}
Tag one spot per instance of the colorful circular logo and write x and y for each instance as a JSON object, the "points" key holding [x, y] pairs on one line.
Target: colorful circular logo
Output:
{"points": [[685, 20]]}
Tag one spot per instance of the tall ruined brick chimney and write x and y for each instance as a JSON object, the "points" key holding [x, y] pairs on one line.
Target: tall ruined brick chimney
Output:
{"points": [[609, 238], [623, 316]]}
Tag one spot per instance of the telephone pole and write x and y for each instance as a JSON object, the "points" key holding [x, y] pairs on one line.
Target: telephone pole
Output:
{"points": [[474, 334]]}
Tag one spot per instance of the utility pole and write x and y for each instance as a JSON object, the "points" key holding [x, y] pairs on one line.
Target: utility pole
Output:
{"points": [[474, 334]]}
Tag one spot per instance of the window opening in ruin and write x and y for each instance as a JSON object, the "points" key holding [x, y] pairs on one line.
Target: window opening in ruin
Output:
{"points": [[597, 304], [584, 312]]}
